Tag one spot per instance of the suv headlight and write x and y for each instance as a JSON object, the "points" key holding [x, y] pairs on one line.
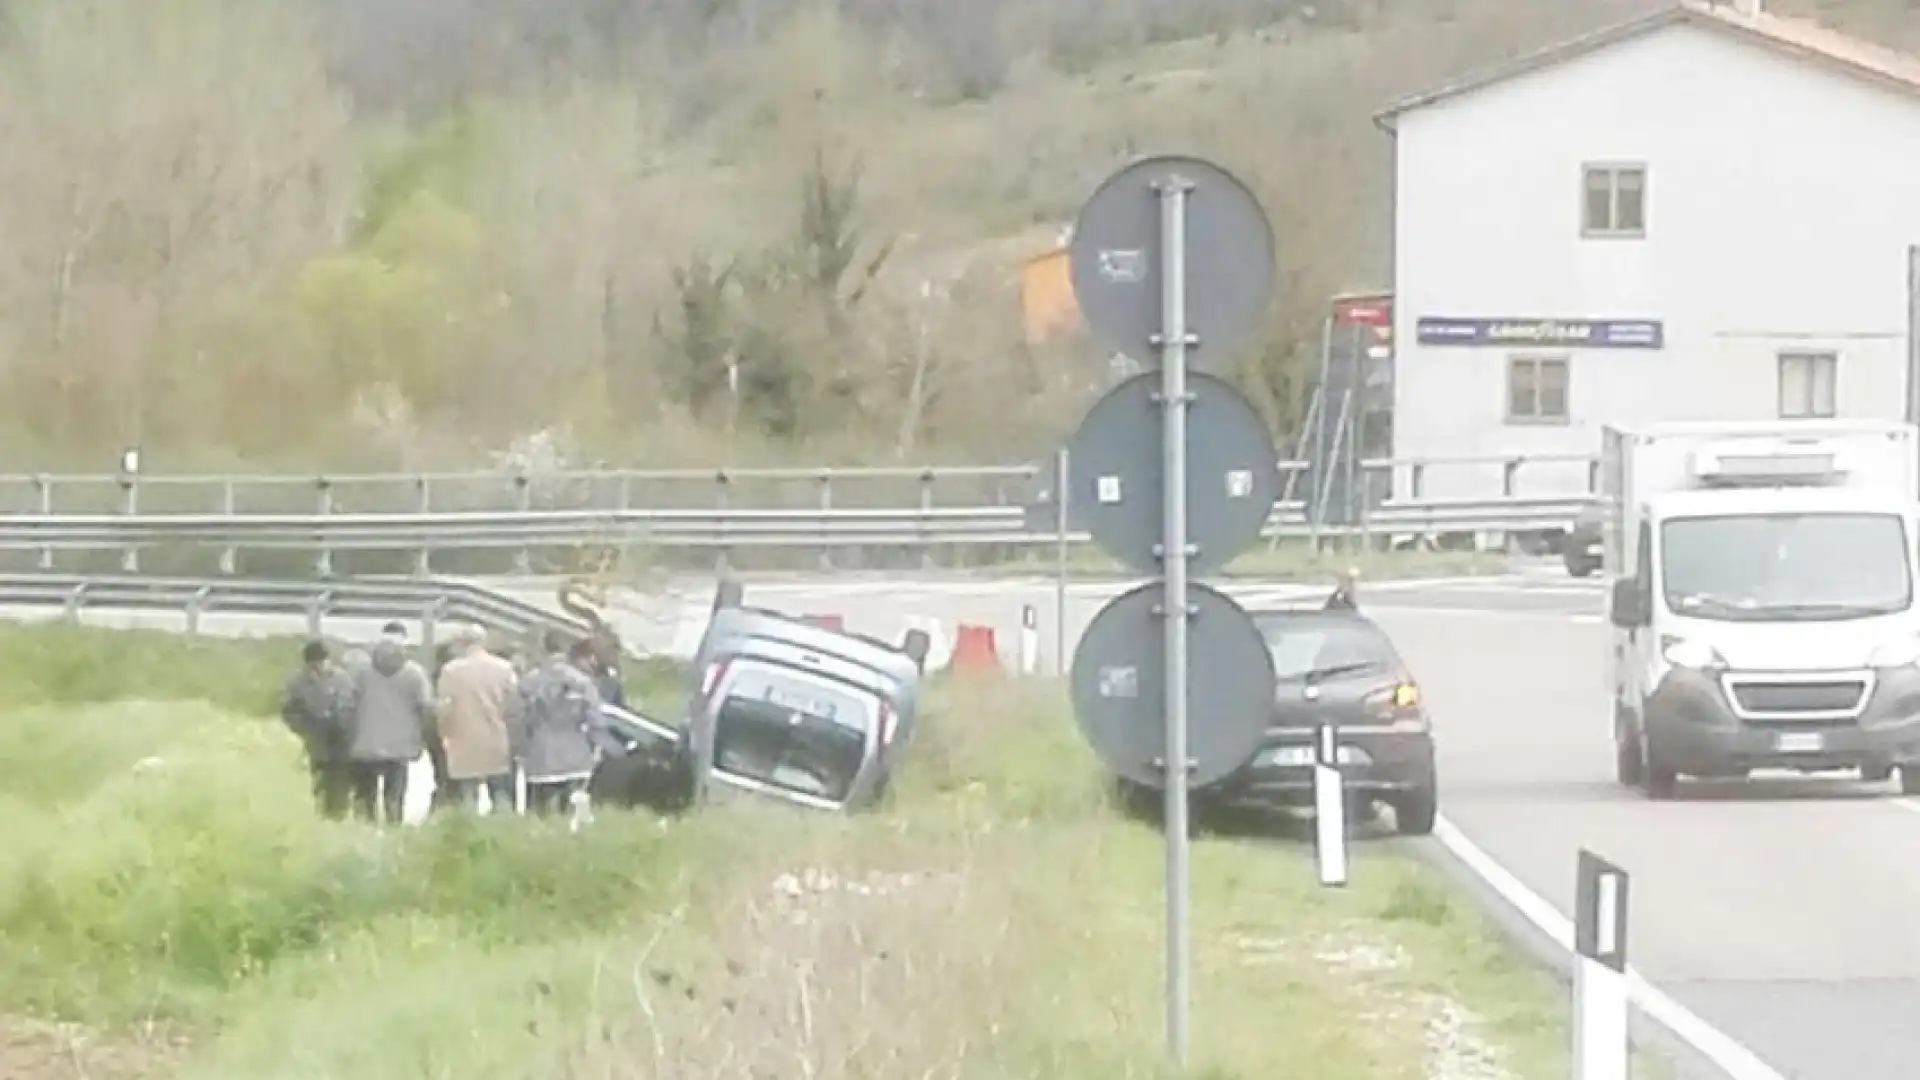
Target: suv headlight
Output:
{"points": [[1696, 655], [1900, 652]]}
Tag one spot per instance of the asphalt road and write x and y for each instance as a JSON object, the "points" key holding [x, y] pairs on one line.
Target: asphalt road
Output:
{"points": [[1778, 910]]}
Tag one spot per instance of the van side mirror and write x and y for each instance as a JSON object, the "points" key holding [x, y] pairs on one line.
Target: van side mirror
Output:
{"points": [[1625, 608]]}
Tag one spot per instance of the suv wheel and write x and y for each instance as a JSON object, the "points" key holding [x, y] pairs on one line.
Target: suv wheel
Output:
{"points": [[1414, 812]]}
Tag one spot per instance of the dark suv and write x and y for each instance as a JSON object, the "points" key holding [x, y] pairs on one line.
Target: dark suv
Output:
{"points": [[1337, 667]]}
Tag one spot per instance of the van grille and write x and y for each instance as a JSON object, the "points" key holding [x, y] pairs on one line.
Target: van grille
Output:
{"points": [[1789, 700]]}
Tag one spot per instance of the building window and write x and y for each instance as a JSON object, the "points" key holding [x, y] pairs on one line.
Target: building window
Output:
{"points": [[1806, 385], [1613, 200], [1537, 390]]}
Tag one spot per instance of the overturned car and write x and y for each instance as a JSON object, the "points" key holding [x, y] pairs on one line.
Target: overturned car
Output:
{"points": [[776, 707]]}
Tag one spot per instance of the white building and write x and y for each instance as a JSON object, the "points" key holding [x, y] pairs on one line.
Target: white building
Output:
{"points": [[1701, 214]]}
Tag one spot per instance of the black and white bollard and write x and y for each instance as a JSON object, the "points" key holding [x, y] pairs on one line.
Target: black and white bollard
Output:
{"points": [[1029, 640], [1329, 808], [1601, 1044]]}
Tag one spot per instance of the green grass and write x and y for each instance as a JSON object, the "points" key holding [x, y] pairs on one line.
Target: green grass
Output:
{"points": [[998, 920]]}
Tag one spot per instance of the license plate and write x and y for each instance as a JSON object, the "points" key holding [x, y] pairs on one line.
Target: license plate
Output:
{"points": [[1799, 742], [1283, 756]]}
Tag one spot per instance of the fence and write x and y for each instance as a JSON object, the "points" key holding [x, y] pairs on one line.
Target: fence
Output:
{"points": [[399, 524]]}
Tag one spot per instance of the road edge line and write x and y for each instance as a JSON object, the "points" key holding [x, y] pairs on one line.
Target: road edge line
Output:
{"points": [[1716, 1046]]}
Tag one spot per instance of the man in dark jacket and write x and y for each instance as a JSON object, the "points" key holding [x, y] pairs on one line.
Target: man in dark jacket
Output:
{"points": [[313, 710], [391, 715]]}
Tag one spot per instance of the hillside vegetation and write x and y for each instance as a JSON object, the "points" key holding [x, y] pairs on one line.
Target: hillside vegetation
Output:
{"points": [[410, 232], [172, 909]]}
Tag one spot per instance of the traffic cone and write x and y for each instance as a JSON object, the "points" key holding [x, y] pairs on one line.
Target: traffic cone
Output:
{"points": [[976, 651]]}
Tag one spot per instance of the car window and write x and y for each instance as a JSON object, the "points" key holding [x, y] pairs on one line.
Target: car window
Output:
{"points": [[1312, 646], [792, 730]]}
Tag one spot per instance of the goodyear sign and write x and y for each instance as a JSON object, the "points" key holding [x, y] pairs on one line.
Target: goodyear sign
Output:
{"points": [[1565, 333]]}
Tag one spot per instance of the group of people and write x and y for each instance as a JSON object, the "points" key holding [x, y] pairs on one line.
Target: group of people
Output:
{"points": [[481, 717]]}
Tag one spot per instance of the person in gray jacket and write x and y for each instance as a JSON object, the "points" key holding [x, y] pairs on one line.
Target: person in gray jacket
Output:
{"points": [[391, 711], [557, 730]]}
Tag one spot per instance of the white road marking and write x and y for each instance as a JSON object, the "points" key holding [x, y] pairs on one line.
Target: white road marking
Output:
{"points": [[1731, 1058]]}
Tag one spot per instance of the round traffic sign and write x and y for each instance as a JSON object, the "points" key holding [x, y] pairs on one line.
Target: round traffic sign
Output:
{"points": [[1116, 473], [1119, 682], [1115, 257]]}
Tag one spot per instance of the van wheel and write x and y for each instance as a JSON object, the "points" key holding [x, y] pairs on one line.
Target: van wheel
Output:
{"points": [[1629, 768], [1662, 782]]}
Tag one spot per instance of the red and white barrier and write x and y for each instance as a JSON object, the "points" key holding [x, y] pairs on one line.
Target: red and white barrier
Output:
{"points": [[1029, 641]]}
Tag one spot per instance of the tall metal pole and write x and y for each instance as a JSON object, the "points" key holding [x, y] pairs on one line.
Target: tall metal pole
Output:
{"points": [[1913, 334], [1173, 389], [1060, 504]]}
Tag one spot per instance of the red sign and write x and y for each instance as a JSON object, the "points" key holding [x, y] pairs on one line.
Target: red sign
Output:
{"points": [[1374, 309]]}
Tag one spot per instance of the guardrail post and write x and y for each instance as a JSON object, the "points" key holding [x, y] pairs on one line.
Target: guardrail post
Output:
{"points": [[523, 502], [626, 490], [323, 562], [196, 607], [722, 499], [317, 612], [129, 505], [926, 515], [423, 503], [430, 624], [1510, 476], [43, 488], [71, 609], [1416, 480], [825, 480], [1593, 477], [229, 505]]}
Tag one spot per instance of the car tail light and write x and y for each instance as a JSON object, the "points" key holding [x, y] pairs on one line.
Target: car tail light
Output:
{"points": [[1397, 703], [885, 723]]}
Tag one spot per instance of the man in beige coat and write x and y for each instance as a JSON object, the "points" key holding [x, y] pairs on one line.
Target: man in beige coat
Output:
{"points": [[477, 696]]}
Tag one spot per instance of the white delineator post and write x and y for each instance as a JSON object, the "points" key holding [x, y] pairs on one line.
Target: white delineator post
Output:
{"points": [[1029, 640], [1602, 1045], [1329, 807]]}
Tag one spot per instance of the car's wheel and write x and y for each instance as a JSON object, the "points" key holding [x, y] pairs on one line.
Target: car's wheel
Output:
{"points": [[1138, 801], [1581, 565], [1876, 774], [1414, 812]]}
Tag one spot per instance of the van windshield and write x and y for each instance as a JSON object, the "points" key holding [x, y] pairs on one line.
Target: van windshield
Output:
{"points": [[1775, 567], [792, 730]]}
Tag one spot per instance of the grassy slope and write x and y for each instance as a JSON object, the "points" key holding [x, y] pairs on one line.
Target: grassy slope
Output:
{"points": [[166, 876]]}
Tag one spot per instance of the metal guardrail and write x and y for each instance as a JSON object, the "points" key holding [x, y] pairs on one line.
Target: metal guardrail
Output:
{"points": [[431, 602], [384, 516], [923, 487]]}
